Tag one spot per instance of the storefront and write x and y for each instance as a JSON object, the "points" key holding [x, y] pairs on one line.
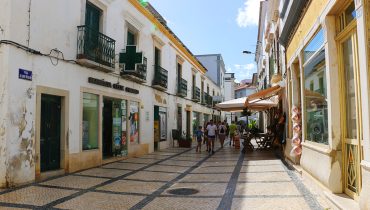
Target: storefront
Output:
{"points": [[325, 81], [109, 125], [196, 121], [114, 127], [160, 126]]}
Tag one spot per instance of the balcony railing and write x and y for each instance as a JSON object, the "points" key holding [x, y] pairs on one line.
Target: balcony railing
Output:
{"points": [[133, 64], [96, 47], [196, 94], [182, 88], [208, 100], [203, 98], [160, 77]]}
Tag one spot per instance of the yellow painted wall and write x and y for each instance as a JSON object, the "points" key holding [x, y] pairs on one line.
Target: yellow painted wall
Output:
{"points": [[313, 12]]}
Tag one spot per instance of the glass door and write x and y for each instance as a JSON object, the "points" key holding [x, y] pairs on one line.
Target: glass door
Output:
{"points": [[351, 114]]}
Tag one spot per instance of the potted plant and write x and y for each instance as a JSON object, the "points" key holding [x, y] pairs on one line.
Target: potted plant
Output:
{"points": [[185, 141]]}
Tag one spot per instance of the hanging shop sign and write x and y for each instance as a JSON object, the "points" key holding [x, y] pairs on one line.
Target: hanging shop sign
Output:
{"points": [[25, 74], [131, 90], [99, 82], [104, 83]]}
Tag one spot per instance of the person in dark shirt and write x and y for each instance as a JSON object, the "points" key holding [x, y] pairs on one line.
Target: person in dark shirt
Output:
{"points": [[199, 135]]}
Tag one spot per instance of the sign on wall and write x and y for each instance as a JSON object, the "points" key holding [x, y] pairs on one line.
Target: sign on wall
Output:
{"points": [[25, 74]]}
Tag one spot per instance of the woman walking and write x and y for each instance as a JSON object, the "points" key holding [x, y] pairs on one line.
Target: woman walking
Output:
{"points": [[222, 134]]}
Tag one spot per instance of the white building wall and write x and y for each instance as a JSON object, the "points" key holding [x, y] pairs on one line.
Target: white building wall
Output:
{"points": [[210, 62], [56, 28], [229, 90]]}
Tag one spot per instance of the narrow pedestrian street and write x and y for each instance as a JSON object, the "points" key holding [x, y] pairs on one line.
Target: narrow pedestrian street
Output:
{"points": [[224, 180]]}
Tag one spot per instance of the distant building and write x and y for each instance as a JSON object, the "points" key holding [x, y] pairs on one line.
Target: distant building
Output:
{"points": [[230, 85], [244, 90], [215, 70]]}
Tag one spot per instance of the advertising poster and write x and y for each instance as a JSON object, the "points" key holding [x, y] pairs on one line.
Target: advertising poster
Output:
{"points": [[163, 126], [117, 126], [134, 122], [124, 149]]}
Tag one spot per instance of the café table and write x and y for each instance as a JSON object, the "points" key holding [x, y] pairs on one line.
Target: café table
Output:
{"points": [[261, 140]]}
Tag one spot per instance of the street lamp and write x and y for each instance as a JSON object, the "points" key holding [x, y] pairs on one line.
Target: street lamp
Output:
{"points": [[247, 52]]}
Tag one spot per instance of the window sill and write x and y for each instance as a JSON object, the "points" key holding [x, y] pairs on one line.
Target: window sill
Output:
{"points": [[90, 150], [321, 148]]}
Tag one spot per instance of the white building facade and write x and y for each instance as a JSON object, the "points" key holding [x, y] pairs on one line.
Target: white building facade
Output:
{"points": [[230, 86], [88, 82]]}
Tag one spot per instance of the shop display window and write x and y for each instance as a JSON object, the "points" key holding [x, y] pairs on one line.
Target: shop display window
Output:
{"points": [[134, 122], [90, 121], [315, 91]]}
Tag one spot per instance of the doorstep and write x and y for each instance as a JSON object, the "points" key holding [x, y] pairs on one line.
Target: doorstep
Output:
{"points": [[342, 201]]}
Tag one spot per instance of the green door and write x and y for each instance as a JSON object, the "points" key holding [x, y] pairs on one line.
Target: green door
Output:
{"points": [[92, 17], [92, 23], [50, 132]]}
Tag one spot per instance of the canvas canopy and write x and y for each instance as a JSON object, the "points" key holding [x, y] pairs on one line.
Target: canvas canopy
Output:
{"points": [[237, 105]]}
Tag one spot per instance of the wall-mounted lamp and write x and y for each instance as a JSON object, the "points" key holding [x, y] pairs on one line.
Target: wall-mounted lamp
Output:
{"points": [[247, 52]]}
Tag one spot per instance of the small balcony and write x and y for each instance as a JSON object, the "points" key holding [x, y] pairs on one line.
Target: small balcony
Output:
{"points": [[95, 50], [182, 88], [196, 94], [160, 78], [209, 100], [133, 64], [203, 98]]}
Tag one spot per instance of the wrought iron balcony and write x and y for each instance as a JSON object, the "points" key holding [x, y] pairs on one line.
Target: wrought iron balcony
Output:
{"points": [[95, 49], [203, 98], [182, 88], [160, 78], [133, 64], [209, 100], [196, 94]]}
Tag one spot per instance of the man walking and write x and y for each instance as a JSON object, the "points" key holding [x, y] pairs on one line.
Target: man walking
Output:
{"points": [[211, 128], [233, 129]]}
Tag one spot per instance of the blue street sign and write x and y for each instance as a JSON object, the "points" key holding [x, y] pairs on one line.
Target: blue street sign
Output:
{"points": [[25, 74]]}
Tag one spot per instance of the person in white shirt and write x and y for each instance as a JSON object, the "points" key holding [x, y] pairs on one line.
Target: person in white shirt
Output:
{"points": [[212, 129]]}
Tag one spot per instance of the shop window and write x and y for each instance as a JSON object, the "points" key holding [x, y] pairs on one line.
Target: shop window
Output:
{"points": [[346, 17], [313, 46], [90, 121], [315, 94], [134, 122]]}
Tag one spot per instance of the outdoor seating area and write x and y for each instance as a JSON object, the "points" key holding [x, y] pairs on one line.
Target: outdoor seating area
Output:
{"points": [[258, 141]]}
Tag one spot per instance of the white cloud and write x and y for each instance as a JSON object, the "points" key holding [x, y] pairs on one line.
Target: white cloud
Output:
{"points": [[243, 71], [249, 14], [248, 66], [228, 69]]}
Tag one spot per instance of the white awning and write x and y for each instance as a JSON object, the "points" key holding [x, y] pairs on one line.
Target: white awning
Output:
{"points": [[232, 105]]}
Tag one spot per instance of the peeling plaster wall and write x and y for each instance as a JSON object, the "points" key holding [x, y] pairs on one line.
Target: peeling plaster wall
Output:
{"points": [[20, 132], [3, 112], [4, 34]]}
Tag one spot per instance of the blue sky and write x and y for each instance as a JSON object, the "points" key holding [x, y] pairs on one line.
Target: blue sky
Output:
{"points": [[216, 26]]}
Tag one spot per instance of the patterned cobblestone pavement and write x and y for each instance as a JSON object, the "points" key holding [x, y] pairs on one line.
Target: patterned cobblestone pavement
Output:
{"points": [[224, 180]]}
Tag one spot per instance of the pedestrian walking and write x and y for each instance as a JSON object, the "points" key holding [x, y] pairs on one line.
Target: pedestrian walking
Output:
{"points": [[227, 129], [233, 128], [222, 134], [205, 139], [212, 129], [199, 136]]}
